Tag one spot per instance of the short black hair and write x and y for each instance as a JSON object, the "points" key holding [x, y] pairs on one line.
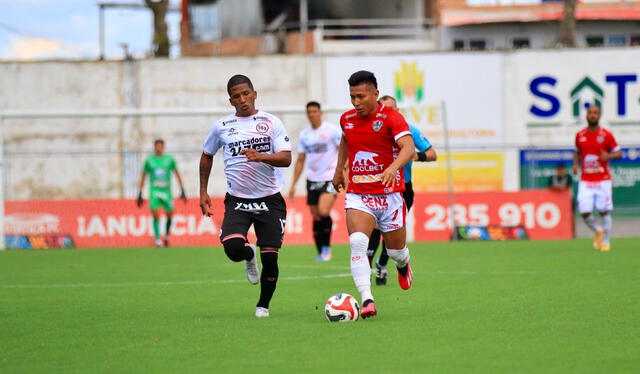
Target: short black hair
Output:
{"points": [[159, 140], [363, 76], [236, 80], [388, 97], [315, 104]]}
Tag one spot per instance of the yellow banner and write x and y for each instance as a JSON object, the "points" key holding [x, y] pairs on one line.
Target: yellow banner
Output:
{"points": [[472, 172]]}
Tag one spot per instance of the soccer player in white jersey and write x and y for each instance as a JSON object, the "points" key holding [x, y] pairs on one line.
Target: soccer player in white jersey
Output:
{"points": [[317, 155], [254, 144], [377, 143], [595, 146]]}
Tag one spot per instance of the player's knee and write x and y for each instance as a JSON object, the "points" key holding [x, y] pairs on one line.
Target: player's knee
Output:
{"points": [[235, 249], [359, 242], [399, 255]]}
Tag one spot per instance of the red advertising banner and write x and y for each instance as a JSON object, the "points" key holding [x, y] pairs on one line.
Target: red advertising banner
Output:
{"points": [[544, 214], [120, 223]]}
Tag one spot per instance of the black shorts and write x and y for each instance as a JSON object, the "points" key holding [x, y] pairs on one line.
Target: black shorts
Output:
{"points": [[267, 215], [408, 195], [315, 189]]}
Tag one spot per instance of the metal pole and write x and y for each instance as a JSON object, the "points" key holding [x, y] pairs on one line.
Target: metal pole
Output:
{"points": [[101, 30], [304, 25], [2, 182], [449, 166]]}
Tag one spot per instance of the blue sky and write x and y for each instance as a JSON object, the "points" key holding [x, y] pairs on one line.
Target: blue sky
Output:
{"points": [[46, 29]]}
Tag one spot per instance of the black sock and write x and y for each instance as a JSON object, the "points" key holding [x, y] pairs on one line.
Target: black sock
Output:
{"points": [[327, 225], [374, 241], [384, 256], [268, 278], [403, 270], [317, 235], [166, 233]]}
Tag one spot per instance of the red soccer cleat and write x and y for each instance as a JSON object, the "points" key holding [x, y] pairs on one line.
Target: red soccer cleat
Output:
{"points": [[406, 280], [369, 310]]}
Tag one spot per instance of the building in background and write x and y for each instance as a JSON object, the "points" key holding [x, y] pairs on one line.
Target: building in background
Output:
{"points": [[512, 24], [254, 27]]}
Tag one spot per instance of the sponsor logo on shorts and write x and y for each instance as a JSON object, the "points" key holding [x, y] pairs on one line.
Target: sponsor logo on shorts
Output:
{"points": [[378, 202], [252, 207]]}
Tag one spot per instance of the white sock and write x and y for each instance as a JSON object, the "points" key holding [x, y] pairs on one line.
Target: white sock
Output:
{"points": [[607, 223], [400, 256], [591, 222], [360, 269]]}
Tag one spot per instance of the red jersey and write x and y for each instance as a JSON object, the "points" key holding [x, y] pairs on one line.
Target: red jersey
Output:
{"points": [[590, 145], [371, 142]]}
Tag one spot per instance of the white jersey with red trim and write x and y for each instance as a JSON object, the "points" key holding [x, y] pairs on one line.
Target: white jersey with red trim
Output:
{"points": [[263, 132], [590, 145], [320, 147], [371, 142]]}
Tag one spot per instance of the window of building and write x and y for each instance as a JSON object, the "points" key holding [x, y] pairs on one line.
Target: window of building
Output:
{"points": [[204, 20], [458, 45], [477, 44], [635, 40], [521, 43], [617, 40], [595, 40]]}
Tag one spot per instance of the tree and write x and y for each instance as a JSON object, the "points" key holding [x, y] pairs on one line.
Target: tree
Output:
{"points": [[568, 26], [161, 42]]}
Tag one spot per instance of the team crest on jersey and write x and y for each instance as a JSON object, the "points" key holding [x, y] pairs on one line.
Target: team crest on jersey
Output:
{"points": [[600, 139], [262, 127], [377, 125]]}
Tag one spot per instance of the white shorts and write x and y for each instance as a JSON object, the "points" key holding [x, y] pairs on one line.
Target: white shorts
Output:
{"points": [[594, 194], [389, 210]]}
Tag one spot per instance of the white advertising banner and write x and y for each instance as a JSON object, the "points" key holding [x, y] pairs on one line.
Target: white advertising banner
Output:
{"points": [[470, 85], [548, 93]]}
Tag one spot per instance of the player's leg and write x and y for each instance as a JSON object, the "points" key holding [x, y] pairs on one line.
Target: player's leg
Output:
{"points": [[604, 205], [313, 196], [325, 203], [374, 242], [270, 232], [233, 236], [586, 204], [156, 226], [168, 208], [392, 224]]}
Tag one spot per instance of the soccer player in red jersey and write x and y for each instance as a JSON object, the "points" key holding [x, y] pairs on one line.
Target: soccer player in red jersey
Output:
{"points": [[595, 146], [377, 143]]}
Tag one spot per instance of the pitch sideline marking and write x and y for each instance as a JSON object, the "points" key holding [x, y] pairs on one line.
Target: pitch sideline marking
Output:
{"points": [[178, 283]]}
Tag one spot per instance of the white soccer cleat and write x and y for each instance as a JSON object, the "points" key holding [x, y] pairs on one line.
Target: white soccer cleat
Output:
{"points": [[251, 267], [262, 312], [159, 243]]}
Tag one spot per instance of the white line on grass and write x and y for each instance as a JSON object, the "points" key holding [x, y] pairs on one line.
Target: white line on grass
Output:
{"points": [[178, 283]]}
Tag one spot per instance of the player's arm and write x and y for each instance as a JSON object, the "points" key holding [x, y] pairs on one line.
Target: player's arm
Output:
{"points": [[576, 161], [339, 177], [143, 175], [278, 159], [206, 162], [407, 151], [615, 155], [297, 172], [183, 194]]}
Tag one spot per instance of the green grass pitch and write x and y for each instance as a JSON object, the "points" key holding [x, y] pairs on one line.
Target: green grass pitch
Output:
{"points": [[485, 307]]}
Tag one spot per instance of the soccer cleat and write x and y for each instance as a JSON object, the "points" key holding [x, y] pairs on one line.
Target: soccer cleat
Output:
{"points": [[381, 276], [407, 279], [597, 240], [319, 257], [326, 254], [368, 309], [251, 267], [166, 242], [262, 312], [605, 247], [158, 243]]}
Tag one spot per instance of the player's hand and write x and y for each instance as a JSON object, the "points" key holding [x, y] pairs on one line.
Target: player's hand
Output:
{"points": [[604, 156], [183, 196], [139, 201], [205, 204], [292, 192], [338, 181], [388, 176], [252, 154]]}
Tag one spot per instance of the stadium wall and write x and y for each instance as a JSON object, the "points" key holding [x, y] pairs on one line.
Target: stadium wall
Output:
{"points": [[496, 103]]}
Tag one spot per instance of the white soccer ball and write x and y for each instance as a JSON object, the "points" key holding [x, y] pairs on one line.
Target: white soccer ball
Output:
{"points": [[342, 307]]}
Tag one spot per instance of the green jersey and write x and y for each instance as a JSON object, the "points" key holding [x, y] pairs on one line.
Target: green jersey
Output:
{"points": [[159, 169]]}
